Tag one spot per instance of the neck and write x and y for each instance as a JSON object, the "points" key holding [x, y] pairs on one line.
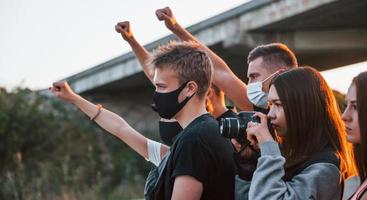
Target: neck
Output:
{"points": [[218, 110], [193, 109]]}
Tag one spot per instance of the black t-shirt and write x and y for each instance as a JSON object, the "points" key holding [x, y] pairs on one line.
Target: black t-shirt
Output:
{"points": [[200, 152], [228, 113]]}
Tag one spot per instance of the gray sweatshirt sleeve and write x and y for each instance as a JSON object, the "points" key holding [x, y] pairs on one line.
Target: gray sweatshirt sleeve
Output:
{"points": [[317, 181], [241, 188]]}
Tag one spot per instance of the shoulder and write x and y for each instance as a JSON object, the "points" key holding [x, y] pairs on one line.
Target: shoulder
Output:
{"points": [[321, 173], [205, 128]]}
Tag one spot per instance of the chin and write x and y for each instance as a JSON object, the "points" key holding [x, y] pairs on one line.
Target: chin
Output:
{"points": [[353, 140]]}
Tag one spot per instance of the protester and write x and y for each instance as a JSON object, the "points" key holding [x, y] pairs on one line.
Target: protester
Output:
{"points": [[312, 156], [194, 166], [355, 118]]}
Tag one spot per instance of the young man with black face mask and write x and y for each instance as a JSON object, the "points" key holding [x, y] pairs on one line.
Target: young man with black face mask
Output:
{"points": [[200, 164]]}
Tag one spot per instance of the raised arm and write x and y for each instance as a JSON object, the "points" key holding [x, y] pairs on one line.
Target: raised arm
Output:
{"points": [[108, 120], [140, 52], [223, 77]]}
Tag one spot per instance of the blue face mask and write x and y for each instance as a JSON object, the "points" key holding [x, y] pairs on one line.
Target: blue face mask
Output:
{"points": [[256, 95]]}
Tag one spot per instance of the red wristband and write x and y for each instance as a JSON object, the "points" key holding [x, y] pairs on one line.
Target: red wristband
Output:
{"points": [[99, 106]]}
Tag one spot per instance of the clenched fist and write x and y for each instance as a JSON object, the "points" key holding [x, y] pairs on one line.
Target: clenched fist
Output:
{"points": [[124, 29], [166, 15], [63, 91]]}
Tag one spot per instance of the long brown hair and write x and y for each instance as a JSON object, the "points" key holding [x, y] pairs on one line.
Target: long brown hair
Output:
{"points": [[360, 150], [313, 118]]}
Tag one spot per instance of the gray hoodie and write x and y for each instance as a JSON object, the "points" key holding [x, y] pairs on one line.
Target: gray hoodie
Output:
{"points": [[317, 181]]}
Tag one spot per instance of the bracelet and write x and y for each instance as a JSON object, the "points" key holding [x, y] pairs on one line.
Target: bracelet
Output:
{"points": [[99, 106]]}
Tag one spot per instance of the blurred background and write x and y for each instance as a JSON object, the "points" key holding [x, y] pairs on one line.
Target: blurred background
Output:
{"points": [[50, 150]]}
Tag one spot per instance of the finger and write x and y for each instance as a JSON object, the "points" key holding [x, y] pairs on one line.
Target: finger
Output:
{"points": [[124, 23], [252, 139], [58, 85], [118, 29], [168, 11], [165, 17], [250, 124], [158, 13], [55, 92], [162, 14], [262, 116], [236, 145]]}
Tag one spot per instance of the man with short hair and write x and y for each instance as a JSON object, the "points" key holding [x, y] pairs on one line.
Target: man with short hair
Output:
{"points": [[200, 164]]}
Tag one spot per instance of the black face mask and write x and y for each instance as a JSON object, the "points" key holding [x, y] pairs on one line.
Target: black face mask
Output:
{"points": [[167, 105], [168, 131]]}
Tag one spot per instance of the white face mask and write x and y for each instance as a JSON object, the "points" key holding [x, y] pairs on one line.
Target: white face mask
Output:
{"points": [[256, 94]]}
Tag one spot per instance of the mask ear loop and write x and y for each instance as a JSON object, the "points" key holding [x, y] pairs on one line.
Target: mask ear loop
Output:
{"points": [[189, 97], [277, 73]]}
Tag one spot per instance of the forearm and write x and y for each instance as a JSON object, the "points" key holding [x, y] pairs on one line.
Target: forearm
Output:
{"points": [[115, 125], [142, 55], [223, 77], [183, 34]]}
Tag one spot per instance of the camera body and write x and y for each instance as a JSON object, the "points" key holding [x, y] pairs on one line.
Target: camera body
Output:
{"points": [[236, 127]]}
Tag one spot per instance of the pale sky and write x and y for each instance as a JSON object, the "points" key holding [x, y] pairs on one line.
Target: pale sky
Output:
{"points": [[43, 41]]}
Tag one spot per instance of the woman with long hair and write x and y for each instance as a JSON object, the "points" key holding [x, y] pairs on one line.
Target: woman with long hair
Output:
{"points": [[313, 155], [355, 118]]}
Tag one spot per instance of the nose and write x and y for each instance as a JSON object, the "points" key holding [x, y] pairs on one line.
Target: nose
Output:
{"points": [[271, 114], [345, 115]]}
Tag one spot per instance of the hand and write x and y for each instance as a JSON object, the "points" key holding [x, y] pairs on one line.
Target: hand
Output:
{"points": [[63, 91], [246, 153], [166, 15], [246, 161], [124, 29], [258, 133]]}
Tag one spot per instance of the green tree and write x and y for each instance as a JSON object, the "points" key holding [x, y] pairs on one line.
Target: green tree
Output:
{"points": [[50, 150]]}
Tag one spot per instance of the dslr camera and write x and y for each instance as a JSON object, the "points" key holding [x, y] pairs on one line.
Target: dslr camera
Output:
{"points": [[236, 127]]}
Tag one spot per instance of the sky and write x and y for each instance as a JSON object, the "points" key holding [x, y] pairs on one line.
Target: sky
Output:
{"points": [[42, 41]]}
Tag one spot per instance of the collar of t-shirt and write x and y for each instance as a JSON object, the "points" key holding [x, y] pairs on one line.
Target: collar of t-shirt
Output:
{"points": [[193, 123]]}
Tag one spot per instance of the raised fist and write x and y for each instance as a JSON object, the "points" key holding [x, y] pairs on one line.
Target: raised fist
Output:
{"points": [[124, 29]]}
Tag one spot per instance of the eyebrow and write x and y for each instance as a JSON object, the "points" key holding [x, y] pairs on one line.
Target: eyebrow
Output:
{"points": [[252, 74]]}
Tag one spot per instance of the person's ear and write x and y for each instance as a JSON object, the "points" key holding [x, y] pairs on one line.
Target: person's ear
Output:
{"points": [[210, 93], [191, 88]]}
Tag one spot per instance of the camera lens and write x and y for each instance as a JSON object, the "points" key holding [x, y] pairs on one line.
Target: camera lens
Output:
{"points": [[236, 127], [232, 128]]}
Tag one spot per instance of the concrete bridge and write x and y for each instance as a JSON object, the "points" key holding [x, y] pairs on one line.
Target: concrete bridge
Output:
{"points": [[323, 33]]}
